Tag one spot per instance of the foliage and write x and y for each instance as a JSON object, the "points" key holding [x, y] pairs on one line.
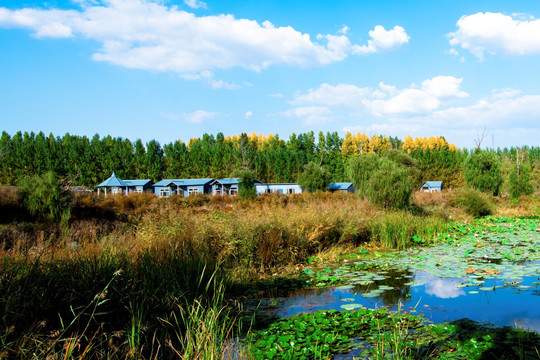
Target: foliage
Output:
{"points": [[247, 184], [46, 196], [314, 177], [270, 158], [382, 180], [386, 334], [475, 202], [483, 171], [520, 177]]}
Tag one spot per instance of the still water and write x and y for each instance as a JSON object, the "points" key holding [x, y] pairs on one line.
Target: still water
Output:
{"points": [[496, 301]]}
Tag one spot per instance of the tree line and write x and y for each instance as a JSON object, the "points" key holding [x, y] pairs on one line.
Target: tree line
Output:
{"points": [[89, 161]]}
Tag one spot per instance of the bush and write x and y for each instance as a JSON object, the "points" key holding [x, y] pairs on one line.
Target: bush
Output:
{"points": [[46, 196], [476, 203]]}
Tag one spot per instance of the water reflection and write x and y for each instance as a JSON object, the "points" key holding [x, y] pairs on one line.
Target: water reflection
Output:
{"points": [[443, 288], [439, 299], [395, 280]]}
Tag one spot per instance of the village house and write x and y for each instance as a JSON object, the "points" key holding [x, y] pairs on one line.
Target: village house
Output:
{"points": [[347, 187], [432, 186], [187, 187], [282, 188], [184, 187], [114, 185]]}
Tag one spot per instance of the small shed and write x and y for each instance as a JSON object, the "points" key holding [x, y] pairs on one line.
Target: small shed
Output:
{"points": [[432, 186], [347, 187], [184, 187], [281, 188]]}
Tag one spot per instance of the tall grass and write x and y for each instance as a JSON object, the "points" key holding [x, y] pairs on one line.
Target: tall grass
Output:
{"points": [[400, 230], [101, 304]]}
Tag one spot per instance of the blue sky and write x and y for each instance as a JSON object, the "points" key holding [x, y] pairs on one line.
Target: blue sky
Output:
{"points": [[175, 69]]}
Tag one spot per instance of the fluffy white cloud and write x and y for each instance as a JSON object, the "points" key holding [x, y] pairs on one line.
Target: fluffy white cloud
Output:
{"points": [[310, 115], [145, 34], [437, 106], [497, 33], [382, 39], [248, 114], [510, 117], [330, 95], [199, 116], [195, 4], [386, 100]]}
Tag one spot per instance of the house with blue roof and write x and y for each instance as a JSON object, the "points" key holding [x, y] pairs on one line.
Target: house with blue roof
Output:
{"points": [[432, 186], [347, 187], [183, 187], [115, 185], [227, 186], [281, 188]]}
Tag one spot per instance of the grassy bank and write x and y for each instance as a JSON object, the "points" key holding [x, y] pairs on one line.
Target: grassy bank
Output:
{"points": [[141, 277]]}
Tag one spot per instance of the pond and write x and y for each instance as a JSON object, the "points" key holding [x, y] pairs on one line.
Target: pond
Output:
{"points": [[486, 272]]}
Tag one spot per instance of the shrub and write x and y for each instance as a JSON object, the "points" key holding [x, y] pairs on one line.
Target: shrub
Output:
{"points": [[475, 203], [46, 196]]}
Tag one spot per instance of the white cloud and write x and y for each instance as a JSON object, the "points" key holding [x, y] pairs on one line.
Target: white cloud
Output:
{"points": [[344, 30], [248, 114], [310, 115], [199, 116], [387, 99], [497, 33], [382, 39], [438, 106], [145, 34], [330, 95], [195, 4]]}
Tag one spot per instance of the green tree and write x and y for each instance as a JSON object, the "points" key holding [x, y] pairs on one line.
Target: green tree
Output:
{"points": [[520, 176], [483, 171], [382, 180], [247, 184], [46, 196], [314, 177]]}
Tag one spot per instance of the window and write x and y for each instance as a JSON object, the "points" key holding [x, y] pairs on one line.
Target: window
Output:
{"points": [[290, 191], [234, 192], [193, 191], [268, 191], [164, 192], [115, 191], [217, 191], [138, 191]]}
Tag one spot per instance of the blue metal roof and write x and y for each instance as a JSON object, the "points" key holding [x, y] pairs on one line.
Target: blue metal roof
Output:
{"points": [[113, 180], [340, 186], [137, 182], [228, 181], [183, 182], [433, 184]]}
